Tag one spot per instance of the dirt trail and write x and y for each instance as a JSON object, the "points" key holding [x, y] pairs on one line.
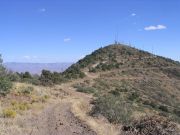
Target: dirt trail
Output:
{"points": [[59, 120], [69, 116], [81, 107]]}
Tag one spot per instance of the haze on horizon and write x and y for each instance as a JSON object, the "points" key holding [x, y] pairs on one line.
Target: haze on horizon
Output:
{"points": [[46, 31]]}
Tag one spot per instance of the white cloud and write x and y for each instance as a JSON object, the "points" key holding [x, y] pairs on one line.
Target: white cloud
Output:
{"points": [[42, 10], [133, 14], [158, 27], [27, 57], [67, 39]]}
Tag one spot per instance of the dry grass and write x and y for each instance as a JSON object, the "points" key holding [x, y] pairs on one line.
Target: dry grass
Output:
{"points": [[100, 126], [19, 105]]}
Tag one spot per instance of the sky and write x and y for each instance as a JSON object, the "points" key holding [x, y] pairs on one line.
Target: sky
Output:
{"points": [[45, 31]]}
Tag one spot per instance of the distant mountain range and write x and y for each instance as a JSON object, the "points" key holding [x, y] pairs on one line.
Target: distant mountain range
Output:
{"points": [[36, 68]]}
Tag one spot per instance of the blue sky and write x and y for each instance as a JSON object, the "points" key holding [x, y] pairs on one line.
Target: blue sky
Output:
{"points": [[66, 30]]}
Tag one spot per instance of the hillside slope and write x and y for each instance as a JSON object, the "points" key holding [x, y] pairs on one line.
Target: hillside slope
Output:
{"points": [[122, 56], [131, 83]]}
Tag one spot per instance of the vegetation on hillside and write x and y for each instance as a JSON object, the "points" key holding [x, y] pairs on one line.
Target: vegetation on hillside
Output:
{"points": [[48, 78], [5, 83], [121, 56], [132, 83]]}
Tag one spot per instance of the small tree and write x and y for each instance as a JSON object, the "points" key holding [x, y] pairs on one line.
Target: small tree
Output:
{"points": [[27, 75], [2, 69], [5, 83], [46, 78]]}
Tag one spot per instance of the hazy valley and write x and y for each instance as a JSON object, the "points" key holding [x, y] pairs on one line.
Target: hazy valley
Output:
{"points": [[36, 68]]}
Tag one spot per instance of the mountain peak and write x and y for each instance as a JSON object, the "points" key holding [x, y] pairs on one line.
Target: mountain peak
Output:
{"points": [[118, 56]]}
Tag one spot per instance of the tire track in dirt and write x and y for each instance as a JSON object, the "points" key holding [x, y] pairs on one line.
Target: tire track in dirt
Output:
{"points": [[59, 120]]}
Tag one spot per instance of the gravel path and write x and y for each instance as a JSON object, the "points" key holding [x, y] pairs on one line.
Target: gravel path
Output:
{"points": [[58, 120]]}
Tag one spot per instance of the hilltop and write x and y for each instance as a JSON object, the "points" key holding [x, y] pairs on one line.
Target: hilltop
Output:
{"points": [[122, 56], [129, 83]]}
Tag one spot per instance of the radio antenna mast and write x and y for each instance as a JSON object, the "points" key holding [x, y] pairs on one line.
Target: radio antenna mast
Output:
{"points": [[152, 50], [117, 35]]}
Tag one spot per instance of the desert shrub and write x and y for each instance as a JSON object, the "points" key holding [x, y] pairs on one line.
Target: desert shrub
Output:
{"points": [[46, 78], [20, 106], [5, 85], [163, 108], [57, 78], [85, 89], [9, 113], [23, 106], [46, 82], [34, 99], [44, 98], [105, 67], [93, 70], [26, 75], [122, 89], [133, 96], [177, 112], [27, 90], [34, 81], [150, 103], [113, 108], [13, 77], [115, 92], [73, 72], [151, 126]]}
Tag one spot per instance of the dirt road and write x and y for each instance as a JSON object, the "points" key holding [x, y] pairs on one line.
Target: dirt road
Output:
{"points": [[69, 116], [59, 120]]}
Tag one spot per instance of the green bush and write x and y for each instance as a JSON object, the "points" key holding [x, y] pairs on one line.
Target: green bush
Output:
{"points": [[133, 96], [5, 85], [163, 108], [115, 92], [85, 89], [27, 75], [122, 89], [34, 81], [149, 103], [113, 108], [27, 90], [13, 76], [92, 70], [73, 72], [177, 112], [46, 78], [49, 78]]}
